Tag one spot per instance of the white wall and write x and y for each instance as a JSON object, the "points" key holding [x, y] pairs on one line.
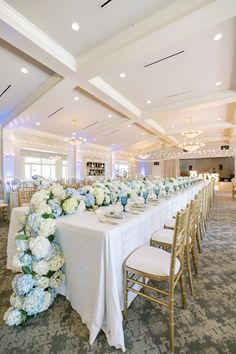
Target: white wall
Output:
{"points": [[207, 164]]}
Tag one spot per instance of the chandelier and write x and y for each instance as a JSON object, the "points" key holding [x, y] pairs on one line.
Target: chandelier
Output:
{"points": [[191, 132], [191, 145], [55, 157], [74, 140]]}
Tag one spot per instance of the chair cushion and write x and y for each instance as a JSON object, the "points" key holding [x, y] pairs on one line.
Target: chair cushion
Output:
{"points": [[151, 260], [170, 223], [164, 236]]}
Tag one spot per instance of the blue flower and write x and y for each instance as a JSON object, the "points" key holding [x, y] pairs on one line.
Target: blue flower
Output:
{"points": [[89, 200], [55, 205], [34, 222], [23, 283], [26, 259], [34, 301]]}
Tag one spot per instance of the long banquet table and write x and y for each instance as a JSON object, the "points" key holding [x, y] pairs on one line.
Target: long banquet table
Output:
{"points": [[94, 256]]}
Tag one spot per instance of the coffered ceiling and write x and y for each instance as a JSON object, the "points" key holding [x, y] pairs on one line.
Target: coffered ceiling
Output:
{"points": [[172, 69]]}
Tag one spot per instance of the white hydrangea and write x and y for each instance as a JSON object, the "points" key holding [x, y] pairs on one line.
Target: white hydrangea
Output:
{"points": [[99, 195], [43, 208], [13, 317], [47, 301], [81, 206], [41, 267], [56, 262], [39, 247], [58, 191], [16, 262], [16, 301], [57, 279], [70, 205], [47, 227], [42, 282]]}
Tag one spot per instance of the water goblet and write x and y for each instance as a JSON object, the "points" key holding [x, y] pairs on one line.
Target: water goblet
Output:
{"points": [[167, 190], [157, 192], [124, 201], [145, 196]]}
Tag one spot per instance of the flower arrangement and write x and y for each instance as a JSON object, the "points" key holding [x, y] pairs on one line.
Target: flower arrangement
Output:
{"points": [[40, 257]]}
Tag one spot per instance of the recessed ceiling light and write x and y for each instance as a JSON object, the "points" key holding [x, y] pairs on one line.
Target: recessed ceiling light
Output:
{"points": [[122, 75], [37, 123], [218, 118], [74, 133], [143, 133], [94, 139], [112, 144], [75, 26], [148, 101], [128, 126], [218, 83], [218, 36], [76, 98], [24, 70], [109, 115], [173, 126]]}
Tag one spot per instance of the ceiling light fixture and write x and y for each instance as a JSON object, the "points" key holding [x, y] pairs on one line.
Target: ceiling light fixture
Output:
{"points": [[109, 115], [218, 83], [73, 140], [122, 75], [148, 101], [37, 123], [24, 71], [75, 26], [76, 98], [218, 118], [128, 126], [191, 132], [218, 36]]}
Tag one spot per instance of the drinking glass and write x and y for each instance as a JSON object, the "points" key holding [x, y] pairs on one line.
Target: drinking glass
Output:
{"points": [[157, 192], [124, 201], [145, 196]]}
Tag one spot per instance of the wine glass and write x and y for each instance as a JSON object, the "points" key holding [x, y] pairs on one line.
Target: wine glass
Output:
{"points": [[167, 190], [175, 188], [113, 199], [157, 191], [124, 201], [145, 196]]}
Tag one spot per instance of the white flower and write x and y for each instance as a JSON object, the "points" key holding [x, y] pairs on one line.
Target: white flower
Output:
{"points": [[47, 227], [43, 208], [47, 301], [81, 206], [16, 301], [41, 267], [16, 262], [58, 191], [99, 195], [39, 247], [70, 205], [13, 317], [57, 279], [56, 262], [42, 282]]}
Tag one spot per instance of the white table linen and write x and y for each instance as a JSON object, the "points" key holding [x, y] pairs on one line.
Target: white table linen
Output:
{"points": [[94, 257]]}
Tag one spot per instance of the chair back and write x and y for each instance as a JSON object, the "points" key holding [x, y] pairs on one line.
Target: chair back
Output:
{"points": [[179, 239], [194, 218], [25, 195], [1, 190]]}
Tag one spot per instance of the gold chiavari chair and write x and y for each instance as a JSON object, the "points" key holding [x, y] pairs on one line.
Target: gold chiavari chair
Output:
{"points": [[150, 263], [164, 238], [25, 195], [233, 181], [3, 204]]}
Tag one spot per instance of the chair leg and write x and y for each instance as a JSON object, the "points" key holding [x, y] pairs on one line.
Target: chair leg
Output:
{"points": [[182, 288], [198, 239], [189, 272], [125, 296], [195, 260], [171, 324]]}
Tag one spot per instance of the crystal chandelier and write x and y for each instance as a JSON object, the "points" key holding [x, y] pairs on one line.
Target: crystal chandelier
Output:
{"points": [[191, 145], [55, 157], [191, 132], [73, 140]]}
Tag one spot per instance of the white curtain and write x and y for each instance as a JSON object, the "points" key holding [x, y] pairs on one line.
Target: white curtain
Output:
{"points": [[171, 168]]}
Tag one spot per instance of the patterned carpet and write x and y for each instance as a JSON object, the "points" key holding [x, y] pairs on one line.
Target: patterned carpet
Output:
{"points": [[208, 325]]}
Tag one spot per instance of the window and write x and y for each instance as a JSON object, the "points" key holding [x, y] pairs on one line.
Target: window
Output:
{"points": [[122, 170], [40, 166], [64, 169]]}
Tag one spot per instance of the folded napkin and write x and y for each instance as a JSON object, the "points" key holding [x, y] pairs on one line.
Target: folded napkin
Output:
{"points": [[138, 205], [114, 214]]}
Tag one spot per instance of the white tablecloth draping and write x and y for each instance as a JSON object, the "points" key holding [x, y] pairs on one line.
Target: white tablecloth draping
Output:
{"points": [[94, 256], [12, 200]]}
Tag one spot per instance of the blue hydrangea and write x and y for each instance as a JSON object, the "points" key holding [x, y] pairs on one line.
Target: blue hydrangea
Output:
{"points": [[26, 259], [89, 200], [34, 301], [83, 190], [55, 205], [71, 192], [34, 222], [23, 283]]}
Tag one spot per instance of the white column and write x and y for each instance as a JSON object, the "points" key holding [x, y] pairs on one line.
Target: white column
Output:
{"points": [[1, 153]]}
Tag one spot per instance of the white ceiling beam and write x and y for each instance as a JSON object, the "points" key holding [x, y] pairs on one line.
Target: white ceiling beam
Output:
{"points": [[174, 23]]}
